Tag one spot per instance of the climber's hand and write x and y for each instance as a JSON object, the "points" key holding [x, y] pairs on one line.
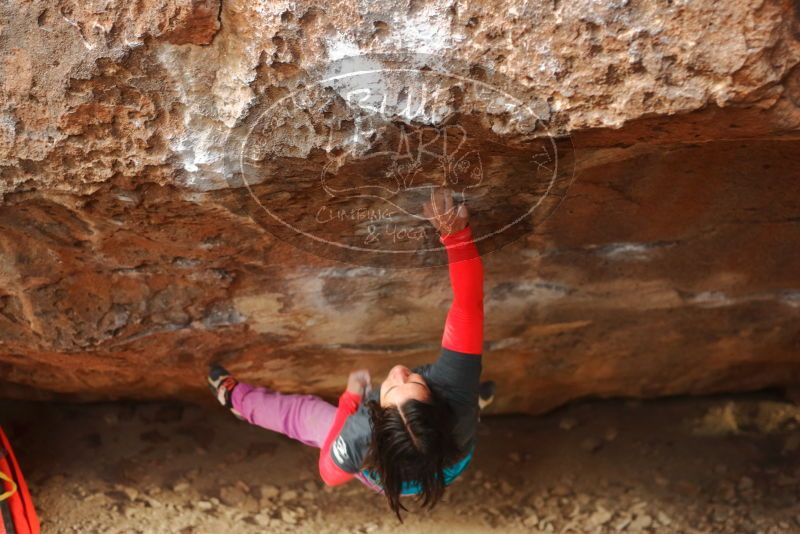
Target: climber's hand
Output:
{"points": [[446, 217], [359, 382]]}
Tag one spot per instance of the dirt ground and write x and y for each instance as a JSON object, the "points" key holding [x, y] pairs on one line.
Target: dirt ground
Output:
{"points": [[713, 464]]}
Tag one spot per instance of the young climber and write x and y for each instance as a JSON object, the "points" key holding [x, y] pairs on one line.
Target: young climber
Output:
{"points": [[414, 434]]}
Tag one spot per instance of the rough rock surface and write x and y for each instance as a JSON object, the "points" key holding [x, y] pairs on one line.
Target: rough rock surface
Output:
{"points": [[668, 264]]}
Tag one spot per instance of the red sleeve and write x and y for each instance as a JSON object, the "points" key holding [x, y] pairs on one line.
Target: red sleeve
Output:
{"points": [[331, 473], [463, 330]]}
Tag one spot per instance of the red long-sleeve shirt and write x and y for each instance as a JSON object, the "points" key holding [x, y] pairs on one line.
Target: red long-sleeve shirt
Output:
{"points": [[463, 332], [463, 329]]}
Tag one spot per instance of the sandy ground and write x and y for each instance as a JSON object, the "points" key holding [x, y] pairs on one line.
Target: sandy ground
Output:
{"points": [[718, 464]]}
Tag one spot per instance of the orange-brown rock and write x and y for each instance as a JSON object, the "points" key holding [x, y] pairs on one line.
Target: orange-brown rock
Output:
{"points": [[664, 262]]}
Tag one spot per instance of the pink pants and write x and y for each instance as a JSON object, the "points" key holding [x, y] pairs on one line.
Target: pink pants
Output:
{"points": [[305, 418]]}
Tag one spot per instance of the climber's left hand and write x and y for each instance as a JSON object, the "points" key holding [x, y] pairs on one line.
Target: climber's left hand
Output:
{"points": [[359, 382]]}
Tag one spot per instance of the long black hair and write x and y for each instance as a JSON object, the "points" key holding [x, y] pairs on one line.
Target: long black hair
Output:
{"points": [[412, 442]]}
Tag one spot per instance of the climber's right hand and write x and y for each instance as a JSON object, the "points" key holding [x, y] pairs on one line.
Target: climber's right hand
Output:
{"points": [[446, 217]]}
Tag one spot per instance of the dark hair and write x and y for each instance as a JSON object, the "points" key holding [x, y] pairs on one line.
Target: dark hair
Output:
{"points": [[412, 442]]}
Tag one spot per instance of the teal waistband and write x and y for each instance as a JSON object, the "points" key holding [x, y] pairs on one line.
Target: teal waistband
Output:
{"points": [[413, 487]]}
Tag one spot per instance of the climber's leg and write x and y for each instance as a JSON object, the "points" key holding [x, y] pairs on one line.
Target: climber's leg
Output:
{"points": [[306, 418]]}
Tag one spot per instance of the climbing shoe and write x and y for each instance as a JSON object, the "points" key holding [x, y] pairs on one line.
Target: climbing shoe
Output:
{"points": [[486, 394], [221, 384]]}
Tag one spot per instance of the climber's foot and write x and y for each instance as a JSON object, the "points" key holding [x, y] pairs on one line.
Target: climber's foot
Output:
{"points": [[486, 394], [221, 384]]}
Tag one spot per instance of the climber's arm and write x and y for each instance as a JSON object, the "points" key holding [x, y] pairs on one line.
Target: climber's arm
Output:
{"points": [[456, 373], [463, 330]]}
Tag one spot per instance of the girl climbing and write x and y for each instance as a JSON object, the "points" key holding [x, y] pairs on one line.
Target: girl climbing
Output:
{"points": [[416, 433]]}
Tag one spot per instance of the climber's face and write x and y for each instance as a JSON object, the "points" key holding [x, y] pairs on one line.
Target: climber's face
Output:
{"points": [[402, 385]]}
